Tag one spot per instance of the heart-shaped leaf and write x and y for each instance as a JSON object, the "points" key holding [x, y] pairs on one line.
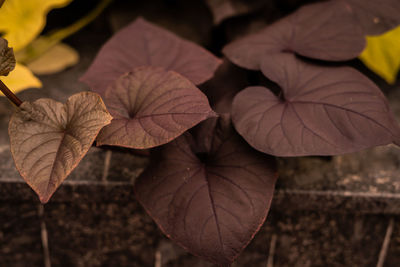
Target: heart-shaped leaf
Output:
{"points": [[151, 107], [325, 111], [48, 139], [326, 31], [144, 44], [210, 202], [7, 59], [382, 54], [376, 17]]}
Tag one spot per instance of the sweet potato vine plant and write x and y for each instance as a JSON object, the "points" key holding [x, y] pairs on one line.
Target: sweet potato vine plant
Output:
{"points": [[211, 178]]}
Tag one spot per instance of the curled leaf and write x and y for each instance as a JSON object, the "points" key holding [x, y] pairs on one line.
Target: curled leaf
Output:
{"points": [[21, 78], [326, 31], [21, 21], [144, 44], [324, 111], [382, 54], [150, 107], [48, 139], [7, 59], [210, 201], [57, 58]]}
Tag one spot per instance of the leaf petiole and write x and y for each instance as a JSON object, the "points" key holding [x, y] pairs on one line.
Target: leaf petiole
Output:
{"points": [[10, 95]]}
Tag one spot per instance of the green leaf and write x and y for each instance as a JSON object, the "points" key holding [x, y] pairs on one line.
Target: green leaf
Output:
{"points": [[382, 54], [48, 139], [7, 59], [23, 20]]}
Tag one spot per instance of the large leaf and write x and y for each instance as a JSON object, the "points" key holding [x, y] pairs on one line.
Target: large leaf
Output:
{"points": [[376, 16], [21, 20], [151, 107], [48, 139], [209, 197], [326, 31], [324, 111], [382, 54], [7, 59], [21, 78], [144, 44]]}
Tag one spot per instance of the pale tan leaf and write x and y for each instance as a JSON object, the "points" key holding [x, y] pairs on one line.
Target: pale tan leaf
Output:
{"points": [[48, 139], [7, 59]]}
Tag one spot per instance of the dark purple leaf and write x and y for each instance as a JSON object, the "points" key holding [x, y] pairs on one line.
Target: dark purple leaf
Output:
{"points": [[210, 202], [325, 111], [223, 9], [376, 16], [228, 80], [144, 44], [150, 107], [326, 31]]}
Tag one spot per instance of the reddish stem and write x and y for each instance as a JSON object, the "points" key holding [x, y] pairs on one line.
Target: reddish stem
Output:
{"points": [[10, 95]]}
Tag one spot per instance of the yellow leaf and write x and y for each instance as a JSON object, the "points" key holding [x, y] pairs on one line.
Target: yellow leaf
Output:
{"points": [[382, 54], [57, 58], [23, 20], [21, 78]]}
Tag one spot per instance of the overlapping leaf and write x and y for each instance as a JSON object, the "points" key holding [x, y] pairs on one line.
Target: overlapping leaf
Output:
{"points": [[144, 44], [325, 111], [375, 16], [211, 205], [21, 21], [326, 31], [48, 139], [151, 107], [382, 54], [7, 59]]}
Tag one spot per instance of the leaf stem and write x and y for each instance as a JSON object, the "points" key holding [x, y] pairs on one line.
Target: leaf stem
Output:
{"points": [[10, 95]]}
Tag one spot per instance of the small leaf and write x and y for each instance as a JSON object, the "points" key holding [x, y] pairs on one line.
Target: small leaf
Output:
{"points": [[7, 59], [210, 202], [382, 55], [58, 58], [151, 107], [22, 20], [376, 17], [325, 111], [326, 31], [223, 9], [144, 44], [21, 78], [48, 139]]}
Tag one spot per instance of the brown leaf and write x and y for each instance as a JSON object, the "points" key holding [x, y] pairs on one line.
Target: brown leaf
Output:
{"points": [[151, 107], [48, 139], [7, 59]]}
